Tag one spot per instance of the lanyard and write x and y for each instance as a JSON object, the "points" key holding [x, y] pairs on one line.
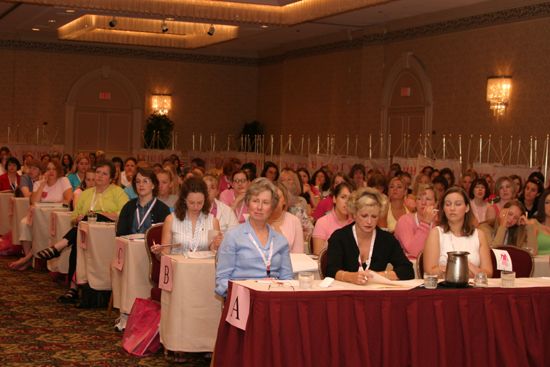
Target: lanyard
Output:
{"points": [[13, 185], [240, 212], [94, 200], [267, 262], [141, 221], [214, 210], [370, 251]]}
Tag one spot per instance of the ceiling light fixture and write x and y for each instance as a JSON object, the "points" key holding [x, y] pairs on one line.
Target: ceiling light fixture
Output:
{"points": [[211, 30]]}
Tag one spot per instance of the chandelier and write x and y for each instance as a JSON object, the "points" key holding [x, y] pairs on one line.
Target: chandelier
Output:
{"points": [[498, 93]]}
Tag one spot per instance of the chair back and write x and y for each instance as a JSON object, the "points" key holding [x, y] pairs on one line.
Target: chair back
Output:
{"points": [[323, 263], [420, 265], [153, 235], [522, 261]]}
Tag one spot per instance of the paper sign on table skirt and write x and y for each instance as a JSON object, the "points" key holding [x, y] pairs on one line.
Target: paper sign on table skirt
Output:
{"points": [[118, 261], [165, 276], [52, 225], [239, 306], [83, 235]]}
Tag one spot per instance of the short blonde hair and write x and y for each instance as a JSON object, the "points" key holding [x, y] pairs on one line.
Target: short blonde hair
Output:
{"points": [[366, 196], [260, 185]]}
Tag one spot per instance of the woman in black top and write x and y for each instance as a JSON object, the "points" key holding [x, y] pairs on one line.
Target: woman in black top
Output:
{"points": [[362, 246], [140, 213]]}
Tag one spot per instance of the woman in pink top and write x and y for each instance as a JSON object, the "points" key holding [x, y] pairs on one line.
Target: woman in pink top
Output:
{"points": [[412, 229], [337, 218], [286, 223], [235, 197]]}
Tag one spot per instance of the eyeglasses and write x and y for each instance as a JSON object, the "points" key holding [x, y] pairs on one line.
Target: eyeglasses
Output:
{"points": [[241, 181]]}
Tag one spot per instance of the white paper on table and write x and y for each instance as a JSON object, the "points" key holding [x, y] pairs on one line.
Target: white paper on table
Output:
{"points": [[201, 255], [135, 236], [504, 261], [302, 262], [379, 279]]}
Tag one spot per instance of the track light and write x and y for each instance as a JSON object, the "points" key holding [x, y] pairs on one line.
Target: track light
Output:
{"points": [[211, 30], [113, 22], [164, 27]]}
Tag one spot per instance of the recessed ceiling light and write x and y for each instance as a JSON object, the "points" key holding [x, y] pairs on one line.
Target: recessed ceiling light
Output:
{"points": [[36, 29], [169, 19], [51, 20], [264, 26], [70, 11]]}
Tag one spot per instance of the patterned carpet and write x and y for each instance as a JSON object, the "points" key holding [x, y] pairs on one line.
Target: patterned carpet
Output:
{"points": [[36, 330]]}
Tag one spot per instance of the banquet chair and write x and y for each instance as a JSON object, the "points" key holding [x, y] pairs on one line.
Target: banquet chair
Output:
{"points": [[154, 235], [420, 265], [323, 263], [522, 261]]}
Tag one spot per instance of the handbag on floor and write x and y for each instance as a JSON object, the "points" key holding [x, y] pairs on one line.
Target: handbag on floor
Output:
{"points": [[141, 336]]}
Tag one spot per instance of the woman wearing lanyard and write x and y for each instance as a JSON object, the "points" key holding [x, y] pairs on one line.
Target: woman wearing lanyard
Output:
{"points": [[190, 223], [253, 250], [234, 197], [362, 246], [139, 214]]}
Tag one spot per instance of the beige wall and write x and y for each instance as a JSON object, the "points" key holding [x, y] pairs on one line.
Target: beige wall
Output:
{"points": [[341, 92], [338, 92], [207, 98]]}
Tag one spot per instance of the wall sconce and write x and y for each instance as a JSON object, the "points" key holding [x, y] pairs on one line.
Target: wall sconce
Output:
{"points": [[498, 93], [161, 103]]}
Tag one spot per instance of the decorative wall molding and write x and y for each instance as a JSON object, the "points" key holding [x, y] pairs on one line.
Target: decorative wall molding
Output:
{"points": [[528, 12]]}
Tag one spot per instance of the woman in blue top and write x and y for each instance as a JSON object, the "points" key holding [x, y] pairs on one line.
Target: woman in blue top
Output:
{"points": [[253, 250]]}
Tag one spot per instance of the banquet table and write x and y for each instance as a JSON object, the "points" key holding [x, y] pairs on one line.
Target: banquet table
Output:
{"points": [[19, 209], [60, 224], [5, 223], [129, 272], [95, 245], [348, 325], [190, 313], [41, 225]]}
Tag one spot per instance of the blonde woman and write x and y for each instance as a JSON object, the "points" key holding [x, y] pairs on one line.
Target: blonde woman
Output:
{"points": [[362, 246]]}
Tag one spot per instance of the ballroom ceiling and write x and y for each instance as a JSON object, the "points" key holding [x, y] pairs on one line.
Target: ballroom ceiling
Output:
{"points": [[244, 28]]}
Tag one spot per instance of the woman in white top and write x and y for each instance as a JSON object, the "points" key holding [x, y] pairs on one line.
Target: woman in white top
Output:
{"points": [[188, 226], [456, 232], [130, 167], [223, 213], [53, 187]]}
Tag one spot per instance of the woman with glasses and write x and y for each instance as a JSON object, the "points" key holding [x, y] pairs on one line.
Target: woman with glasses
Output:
{"points": [[234, 197]]}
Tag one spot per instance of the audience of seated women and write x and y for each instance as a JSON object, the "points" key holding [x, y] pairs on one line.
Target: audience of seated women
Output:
{"points": [[166, 194], [139, 214], [396, 208], [34, 170], [106, 200], [412, 229], [286, 223], [505, 188], [82, 165], [187, 228], [130, 167], [10, 180], [361, 246], [254, 250], [479, 192], [541, 225], [234, 197], [335, 219], [530, 194], [456, 232], [222, 212]]}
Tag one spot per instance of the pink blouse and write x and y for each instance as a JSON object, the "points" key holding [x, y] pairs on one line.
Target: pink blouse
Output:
{"points": [[411, 234]]}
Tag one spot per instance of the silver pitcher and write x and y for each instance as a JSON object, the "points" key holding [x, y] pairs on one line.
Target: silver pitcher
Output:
{"points": [[457, 268]]}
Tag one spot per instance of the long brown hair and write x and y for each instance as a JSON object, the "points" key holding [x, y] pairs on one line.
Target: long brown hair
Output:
{"points": [[190, 185], [468, 226]]}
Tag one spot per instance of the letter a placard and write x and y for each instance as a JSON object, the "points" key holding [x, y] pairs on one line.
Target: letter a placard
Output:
{"points": [[165, 276], [239, 306]]}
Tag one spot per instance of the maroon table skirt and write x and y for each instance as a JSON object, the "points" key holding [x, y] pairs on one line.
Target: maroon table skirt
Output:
{"points": [[467, 327]]}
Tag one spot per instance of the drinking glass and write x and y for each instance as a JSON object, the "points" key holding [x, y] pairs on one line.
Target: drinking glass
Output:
{"points": [[480, 280], [507, 279], [305, 279], [92, 217], [430, 281]]}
